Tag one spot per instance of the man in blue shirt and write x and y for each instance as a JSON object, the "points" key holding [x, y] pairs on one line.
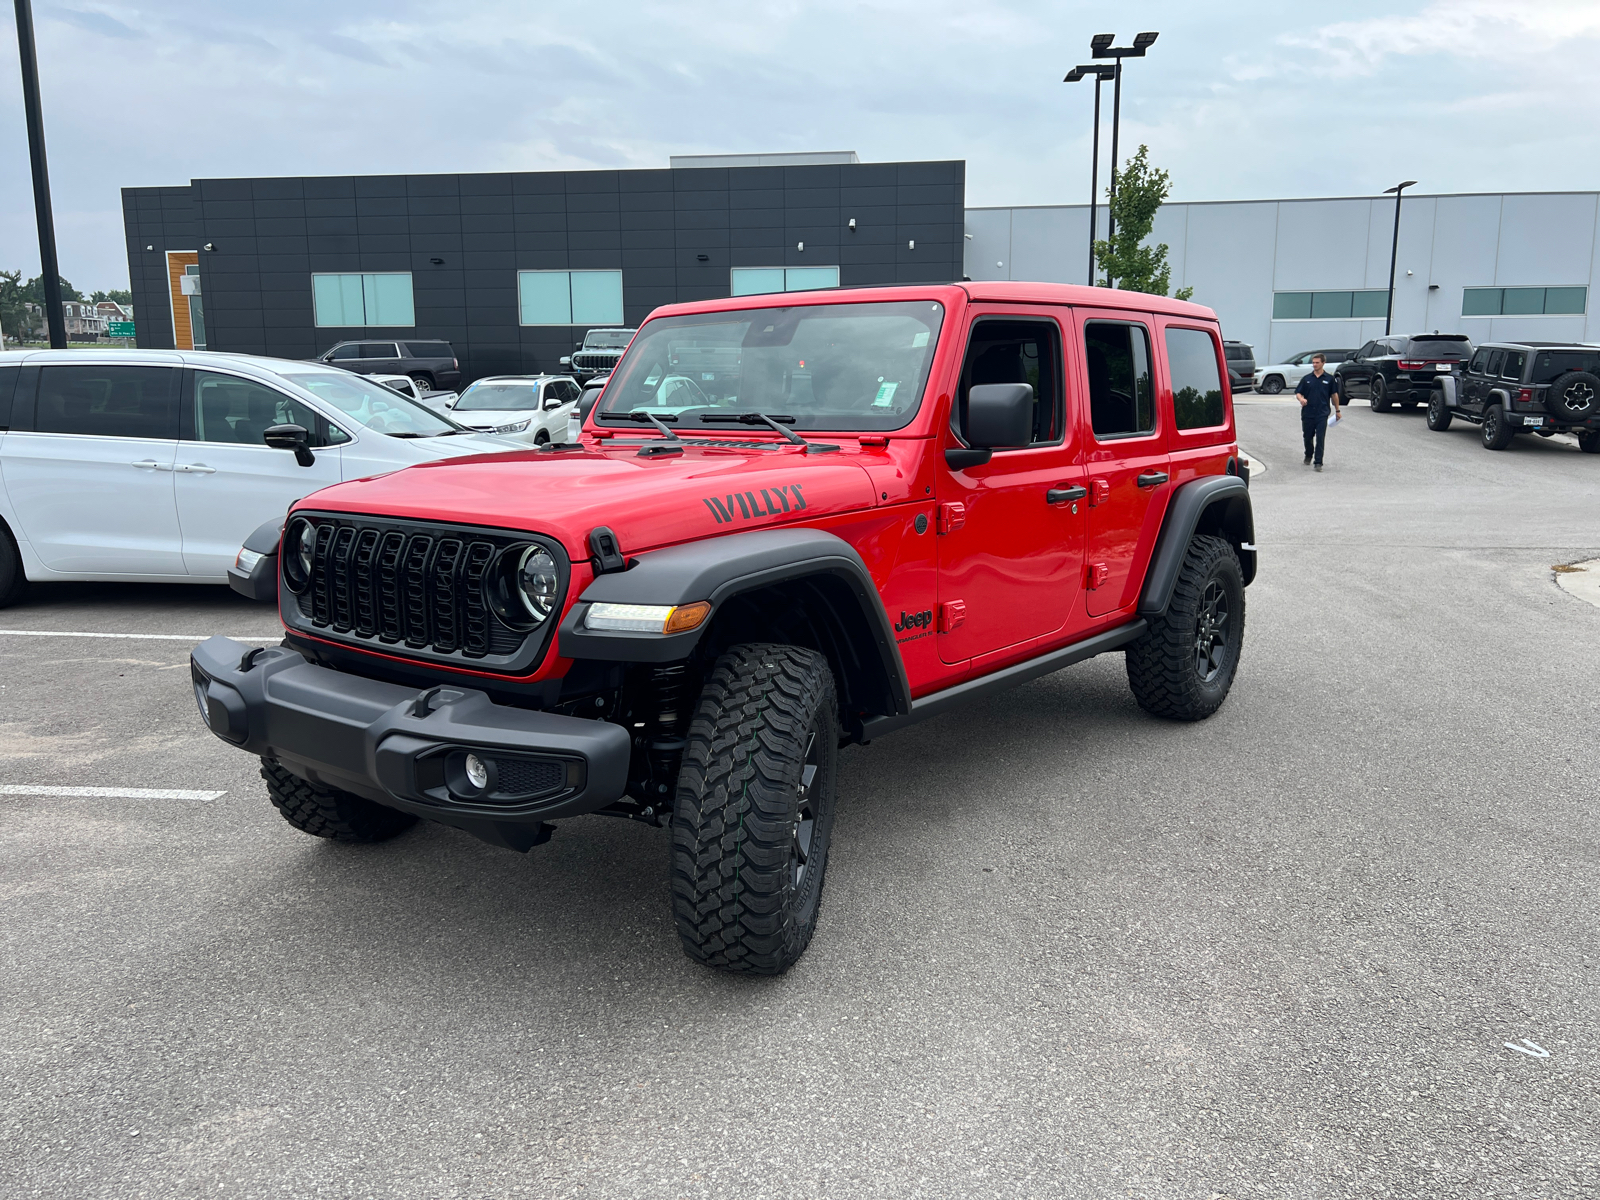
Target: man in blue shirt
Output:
{"points": [[1317, 391]]}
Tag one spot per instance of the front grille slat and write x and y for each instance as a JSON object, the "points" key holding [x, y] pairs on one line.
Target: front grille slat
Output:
{"points": [[411, 589]]}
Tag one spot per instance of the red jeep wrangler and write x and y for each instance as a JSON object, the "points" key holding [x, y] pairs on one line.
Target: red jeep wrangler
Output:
{"points": [[792, 522]]}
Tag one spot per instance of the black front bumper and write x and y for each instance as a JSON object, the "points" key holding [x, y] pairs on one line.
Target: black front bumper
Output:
{"points": [[407, 748]]}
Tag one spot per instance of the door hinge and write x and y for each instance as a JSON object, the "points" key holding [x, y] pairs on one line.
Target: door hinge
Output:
{"points": [[1098, 574], [952, 516], [1099, 492], [952, 615]]}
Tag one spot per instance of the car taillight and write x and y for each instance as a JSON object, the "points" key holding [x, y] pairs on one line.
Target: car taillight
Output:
{"points": [[455, 364], [1407, 364], [1525, 396]]}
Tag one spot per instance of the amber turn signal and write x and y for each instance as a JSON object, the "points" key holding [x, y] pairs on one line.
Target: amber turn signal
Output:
{"points": [[688, 616]]}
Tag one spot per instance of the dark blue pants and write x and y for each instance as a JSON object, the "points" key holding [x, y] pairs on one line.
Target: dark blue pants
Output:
{"points": [[1314, 425]]}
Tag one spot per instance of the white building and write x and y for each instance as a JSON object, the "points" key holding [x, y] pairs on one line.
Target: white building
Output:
{"points": [[1293, 275]]}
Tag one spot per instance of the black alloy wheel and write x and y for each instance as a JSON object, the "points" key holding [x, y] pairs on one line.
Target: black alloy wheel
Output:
{"points": [[1211, 633], [805, 821], [1497, 432], [1272, 384], [1439, 414], [1378, 389]]}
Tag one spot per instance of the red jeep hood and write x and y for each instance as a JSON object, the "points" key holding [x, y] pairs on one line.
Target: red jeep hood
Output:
{"points": [[646, 502]]}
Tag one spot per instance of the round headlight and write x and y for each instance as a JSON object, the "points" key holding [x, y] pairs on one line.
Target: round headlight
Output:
{"points": [[299, 551], [538, 582]]}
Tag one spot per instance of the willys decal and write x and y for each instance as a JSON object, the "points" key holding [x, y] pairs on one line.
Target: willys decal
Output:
{"points": [[752, 506]]}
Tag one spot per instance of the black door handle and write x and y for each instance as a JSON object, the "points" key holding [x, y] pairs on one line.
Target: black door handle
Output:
{"points": [[1153, 479], [1062, 495]]}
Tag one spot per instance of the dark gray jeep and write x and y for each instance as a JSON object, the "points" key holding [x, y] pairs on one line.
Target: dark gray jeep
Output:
{"points": [[1509, 388]]}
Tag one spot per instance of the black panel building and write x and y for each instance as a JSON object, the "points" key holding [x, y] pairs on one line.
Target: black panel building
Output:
{"points": [[513, 268]]}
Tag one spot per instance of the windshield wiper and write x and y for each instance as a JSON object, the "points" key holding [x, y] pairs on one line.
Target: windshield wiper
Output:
{"points": [[757, 418], [674, 443]]}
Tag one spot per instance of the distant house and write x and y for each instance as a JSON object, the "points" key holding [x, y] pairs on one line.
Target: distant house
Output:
{"points": [[85, 321], [112, 311]]}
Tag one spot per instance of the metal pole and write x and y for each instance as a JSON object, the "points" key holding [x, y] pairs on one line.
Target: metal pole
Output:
{"points": [[1394, 254], [1116, 121], [48, 266], [1094, 178]]}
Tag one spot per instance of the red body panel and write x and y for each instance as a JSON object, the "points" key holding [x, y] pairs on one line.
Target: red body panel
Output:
{"points": [[1003, 577]]}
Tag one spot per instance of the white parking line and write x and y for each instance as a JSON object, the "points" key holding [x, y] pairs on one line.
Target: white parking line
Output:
{"points": [[24, 789], [148, 637]]}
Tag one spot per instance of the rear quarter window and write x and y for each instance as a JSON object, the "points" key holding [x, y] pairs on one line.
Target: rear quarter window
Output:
{"points": [[430, 350], [1196, 379]]}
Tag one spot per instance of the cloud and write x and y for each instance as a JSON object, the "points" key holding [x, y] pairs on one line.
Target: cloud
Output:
{"points": [[94, 22]]}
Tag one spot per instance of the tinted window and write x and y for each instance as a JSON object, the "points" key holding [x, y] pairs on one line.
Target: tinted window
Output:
{"points": [[1440, 347], [1548, 364], [430, 350], [1512, 367], [1494, 362], [8, 387], [1196, 381], [1479, 362], [137, 402], [1016, 352], [1121, 392], [230, 409], [1235, 350], [378, 350], [343, 352], [1367, 351]]}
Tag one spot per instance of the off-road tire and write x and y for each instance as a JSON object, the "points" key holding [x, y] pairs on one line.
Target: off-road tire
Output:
{"points": [[743, 898], [1164, 662], [1497, 432], [1378, 390], [328, 812], [1272, 384], [1574, 396], [13, 580], [1439, 414], [1589, 443]]}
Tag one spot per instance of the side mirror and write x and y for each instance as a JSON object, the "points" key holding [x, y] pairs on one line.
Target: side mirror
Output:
{"points": [[1000, 415], [290, 437], [451, 403]]}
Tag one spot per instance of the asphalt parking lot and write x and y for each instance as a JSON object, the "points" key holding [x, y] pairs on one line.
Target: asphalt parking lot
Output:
{"points": [[1066, 949]]}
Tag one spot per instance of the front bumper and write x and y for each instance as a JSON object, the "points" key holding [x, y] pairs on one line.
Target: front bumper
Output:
{"points": [[405, 748]]}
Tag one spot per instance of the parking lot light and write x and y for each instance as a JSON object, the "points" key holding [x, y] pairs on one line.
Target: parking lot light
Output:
{"points": [[1394, 249], [1100, 47], [1101, 74]]}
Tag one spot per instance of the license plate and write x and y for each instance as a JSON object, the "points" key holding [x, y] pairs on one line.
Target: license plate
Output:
{"points": [[1443, 366], [1532, 422]]}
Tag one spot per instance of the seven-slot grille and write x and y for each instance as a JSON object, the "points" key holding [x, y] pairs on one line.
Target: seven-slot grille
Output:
{"points": [[408, 588]]}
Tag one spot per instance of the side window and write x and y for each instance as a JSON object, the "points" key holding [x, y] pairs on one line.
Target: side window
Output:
{"points": [[230, 409], [379, 350], [1512, 367], [1495, 357], [1121, 391], [344, 352], [1196, 381], [1016, 351], [8, 388], [135, 402], [1479, 363], [1365, 351]]}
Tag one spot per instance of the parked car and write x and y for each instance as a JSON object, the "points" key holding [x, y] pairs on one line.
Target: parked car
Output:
{"points": [[412, 390], [432, 364], [1287, 374], [529, 408], [1400, 369], [890, 509], [1241, 365], [1509, 388], [150, 465], [598, 353]]}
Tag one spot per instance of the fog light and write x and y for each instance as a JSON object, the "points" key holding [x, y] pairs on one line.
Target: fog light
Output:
{"points": [[477, 773]]}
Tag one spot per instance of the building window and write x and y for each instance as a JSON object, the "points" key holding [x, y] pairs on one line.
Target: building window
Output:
{"points": [[348, 301], [1329, 306], [1524, 302], [761, 281], [570, 297]]}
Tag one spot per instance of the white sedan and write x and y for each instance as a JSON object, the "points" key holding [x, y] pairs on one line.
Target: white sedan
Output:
{"points": [[533, 409], [1288, 373], [155, 465]]}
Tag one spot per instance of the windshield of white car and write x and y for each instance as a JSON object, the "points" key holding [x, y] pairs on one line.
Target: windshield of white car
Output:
{"points": [[829, 366], [503, 395], [379, 408]]}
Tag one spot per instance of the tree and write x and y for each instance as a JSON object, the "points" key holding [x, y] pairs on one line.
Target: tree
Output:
{"points": [[33, 290], [115, 295], [1126, 260], [13, 305]]}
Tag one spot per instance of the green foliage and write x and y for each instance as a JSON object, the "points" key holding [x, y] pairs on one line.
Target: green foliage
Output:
{"points": [[115, 295], [13, 308], [1127, 262], [33, 290]]}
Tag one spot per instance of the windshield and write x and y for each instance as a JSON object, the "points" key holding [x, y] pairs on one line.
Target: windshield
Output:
{"points": [[1550, 364], [381, 409], [607, 339], [503, 395], [1443, 345], [829, 366]]}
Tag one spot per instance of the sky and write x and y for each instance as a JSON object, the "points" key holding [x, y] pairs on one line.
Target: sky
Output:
{"points": [[1242, 100]]}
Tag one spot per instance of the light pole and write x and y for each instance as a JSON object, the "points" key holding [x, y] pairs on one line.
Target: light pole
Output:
{"points": [[1394, 250], [1100, 47], [1101, 74], [49, 269]]}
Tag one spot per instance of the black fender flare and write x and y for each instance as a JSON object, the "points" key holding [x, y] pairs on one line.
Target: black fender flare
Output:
{"points": [[1218, 504], [718, 570]]}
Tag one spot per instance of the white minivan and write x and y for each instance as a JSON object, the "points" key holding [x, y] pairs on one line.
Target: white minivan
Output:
{"points": [[154, 465]]}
